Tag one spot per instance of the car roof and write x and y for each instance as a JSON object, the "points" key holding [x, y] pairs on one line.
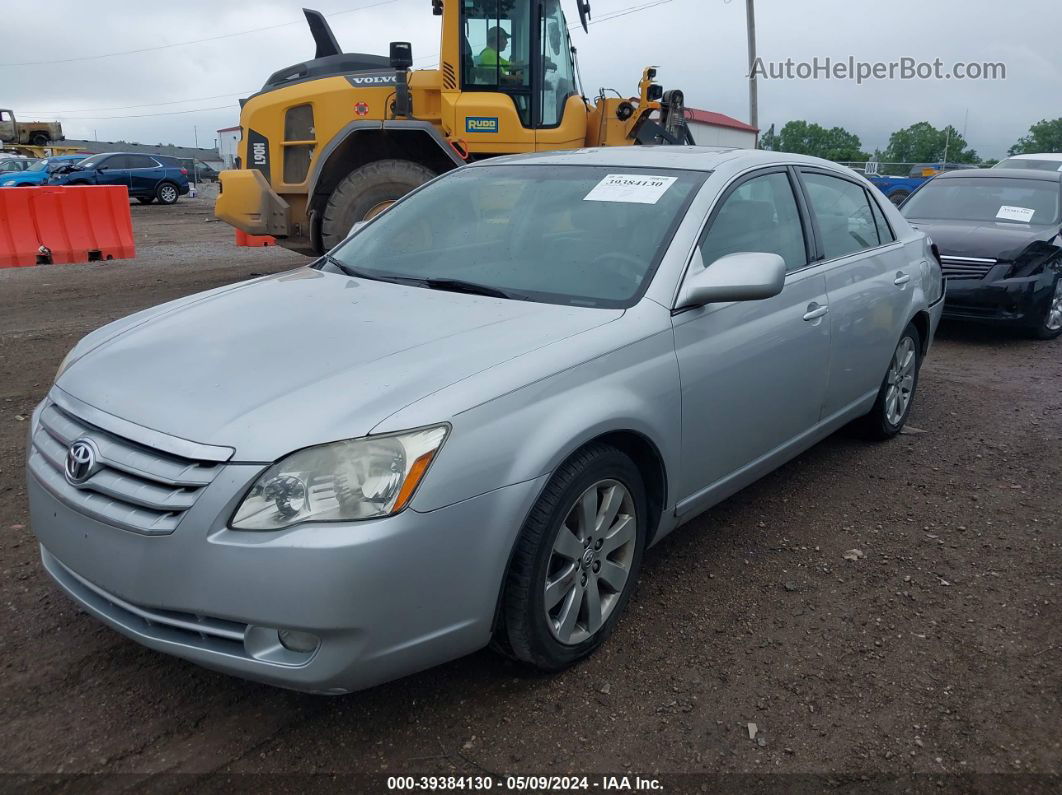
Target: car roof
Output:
{"points": [[1009, 173], [688, 158], [1042, 156]]}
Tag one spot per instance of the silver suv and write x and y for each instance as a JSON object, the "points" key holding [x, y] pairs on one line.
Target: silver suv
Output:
{"points": [[470, 419]]}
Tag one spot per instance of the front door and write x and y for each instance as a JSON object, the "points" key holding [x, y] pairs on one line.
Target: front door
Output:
{"points": [[753, 373], [7, 127], [114, 170]]}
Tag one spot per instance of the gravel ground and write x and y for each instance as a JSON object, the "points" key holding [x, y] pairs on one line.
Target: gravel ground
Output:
{"points": [[936, 651]]}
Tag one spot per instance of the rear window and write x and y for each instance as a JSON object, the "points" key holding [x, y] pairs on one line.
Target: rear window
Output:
{"points": [[989, 199], [1029, 163]]}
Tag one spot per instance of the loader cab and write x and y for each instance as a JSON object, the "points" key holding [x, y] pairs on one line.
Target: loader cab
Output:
{"points": [[518, 75]]}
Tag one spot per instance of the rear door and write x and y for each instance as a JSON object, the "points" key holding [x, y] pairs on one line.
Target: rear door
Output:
{"points": [[145, 172], [753, 373], [868, 281]]}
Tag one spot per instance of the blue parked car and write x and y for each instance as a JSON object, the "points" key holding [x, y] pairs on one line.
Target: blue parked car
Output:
{"points": [[39, 172], [148, 177]]}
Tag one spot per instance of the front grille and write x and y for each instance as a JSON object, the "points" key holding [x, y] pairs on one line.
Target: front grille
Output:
{"points": [[188, 629], [135, 487], [966, 267]]}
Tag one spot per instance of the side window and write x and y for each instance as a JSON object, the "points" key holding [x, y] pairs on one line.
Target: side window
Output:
{"points": [[139, 161], [885, 234], [760, 215], [842, 209], [558, 79], [115, 161]]}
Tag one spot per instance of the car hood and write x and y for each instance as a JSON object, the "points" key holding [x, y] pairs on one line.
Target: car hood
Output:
{"points": [[303, 358], [985, 239]]}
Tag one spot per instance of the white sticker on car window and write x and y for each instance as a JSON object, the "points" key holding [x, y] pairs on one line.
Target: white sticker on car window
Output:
{"points": [[630, 188], [1015, 213]]}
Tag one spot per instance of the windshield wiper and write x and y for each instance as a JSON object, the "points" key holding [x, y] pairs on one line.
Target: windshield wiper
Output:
{"points": [[357, 273], [461, 286]]}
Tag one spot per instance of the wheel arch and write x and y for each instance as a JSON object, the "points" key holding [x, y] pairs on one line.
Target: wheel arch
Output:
{"points": [[362, 142], [650, 462], [922, 323]]}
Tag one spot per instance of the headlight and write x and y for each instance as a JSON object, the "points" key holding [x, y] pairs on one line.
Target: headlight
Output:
{"points": [[7, 182], [343, 481]]}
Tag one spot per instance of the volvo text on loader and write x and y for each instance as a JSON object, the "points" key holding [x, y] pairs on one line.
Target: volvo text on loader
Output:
{"points": [[334, 140]]}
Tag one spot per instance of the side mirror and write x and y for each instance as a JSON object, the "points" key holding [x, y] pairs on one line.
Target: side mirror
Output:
{"points": [[745, 276]]}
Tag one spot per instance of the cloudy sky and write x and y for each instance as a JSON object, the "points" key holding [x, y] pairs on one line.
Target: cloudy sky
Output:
{"points": [[71, 59]]}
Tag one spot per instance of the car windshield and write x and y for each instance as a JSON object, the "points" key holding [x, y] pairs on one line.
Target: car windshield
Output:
{"points": [[1028, 201], [1030, 163], [580, 235]]}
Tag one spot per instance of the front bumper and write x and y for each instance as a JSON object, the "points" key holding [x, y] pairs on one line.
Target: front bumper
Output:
{"points": [[386, 597], [1020, 301], [247, 202]]}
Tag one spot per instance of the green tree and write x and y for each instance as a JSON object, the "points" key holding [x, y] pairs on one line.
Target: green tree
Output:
{"points": [[924, 143], [808, 138], [1044, 136]]}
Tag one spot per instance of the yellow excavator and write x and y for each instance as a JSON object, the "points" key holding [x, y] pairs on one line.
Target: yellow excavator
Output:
{"points": [[336, 139]]}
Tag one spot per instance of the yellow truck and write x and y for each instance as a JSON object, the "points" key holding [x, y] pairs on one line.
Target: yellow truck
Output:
{"points": [[336, 139], [28, 133]]}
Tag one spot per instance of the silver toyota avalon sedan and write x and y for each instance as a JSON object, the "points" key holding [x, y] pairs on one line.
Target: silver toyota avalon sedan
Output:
{"points": [[467, 422]]}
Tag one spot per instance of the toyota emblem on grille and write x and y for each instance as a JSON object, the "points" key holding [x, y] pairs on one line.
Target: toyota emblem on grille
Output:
{"points": [[80, 461]]}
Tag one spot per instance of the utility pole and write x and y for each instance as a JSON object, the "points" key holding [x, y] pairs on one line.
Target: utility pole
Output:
{"points": [[750, 16]]}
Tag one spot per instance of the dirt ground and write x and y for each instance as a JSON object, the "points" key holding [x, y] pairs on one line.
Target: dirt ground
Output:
{"points": [[935, 652]]}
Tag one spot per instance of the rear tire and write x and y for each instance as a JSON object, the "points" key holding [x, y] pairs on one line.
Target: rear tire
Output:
{"points": [[590, 578], [39, 139], [366, 191], [1050, 325], [897, 392], [167, 193]]}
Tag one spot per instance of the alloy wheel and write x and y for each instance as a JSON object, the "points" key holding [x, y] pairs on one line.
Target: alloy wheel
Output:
{"points": [[590, 562], [168, 193], [1054, 309], [900, 380]]}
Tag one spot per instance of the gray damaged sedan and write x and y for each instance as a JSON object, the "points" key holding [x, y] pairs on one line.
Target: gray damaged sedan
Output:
{"points": [[467, 423]]}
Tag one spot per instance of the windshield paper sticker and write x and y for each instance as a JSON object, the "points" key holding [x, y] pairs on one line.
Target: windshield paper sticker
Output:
{"points": [[630, 188], [1015, 213]]}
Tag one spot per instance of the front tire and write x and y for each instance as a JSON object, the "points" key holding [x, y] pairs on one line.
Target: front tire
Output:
{"points": [[1050, 325], [576, 560], [367, 191], [897, 392], [145, 199]]}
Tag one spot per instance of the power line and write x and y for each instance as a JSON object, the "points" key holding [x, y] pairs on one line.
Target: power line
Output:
{"points": [[146, 115], [132, 107], [193, 41]]}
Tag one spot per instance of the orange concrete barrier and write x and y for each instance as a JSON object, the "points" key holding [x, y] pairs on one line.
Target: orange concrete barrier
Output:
{"points": [[65, 224], [244, 239]]}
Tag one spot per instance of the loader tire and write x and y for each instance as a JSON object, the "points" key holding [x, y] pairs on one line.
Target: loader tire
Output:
{"points": [[367, 191]]}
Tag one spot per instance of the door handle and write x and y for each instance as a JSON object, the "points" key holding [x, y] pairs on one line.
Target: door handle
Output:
{"points": [[816, 313], [901, 279]]}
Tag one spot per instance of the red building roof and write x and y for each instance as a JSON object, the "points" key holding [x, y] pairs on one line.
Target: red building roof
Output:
{"points": [[229, 129], [718, 119]]}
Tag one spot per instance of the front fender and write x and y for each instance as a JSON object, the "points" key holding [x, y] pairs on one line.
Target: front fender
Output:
{"points": [[529, 431]]}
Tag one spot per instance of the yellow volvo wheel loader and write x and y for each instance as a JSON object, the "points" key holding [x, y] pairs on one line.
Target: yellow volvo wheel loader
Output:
{"points": [[334, 140]]}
